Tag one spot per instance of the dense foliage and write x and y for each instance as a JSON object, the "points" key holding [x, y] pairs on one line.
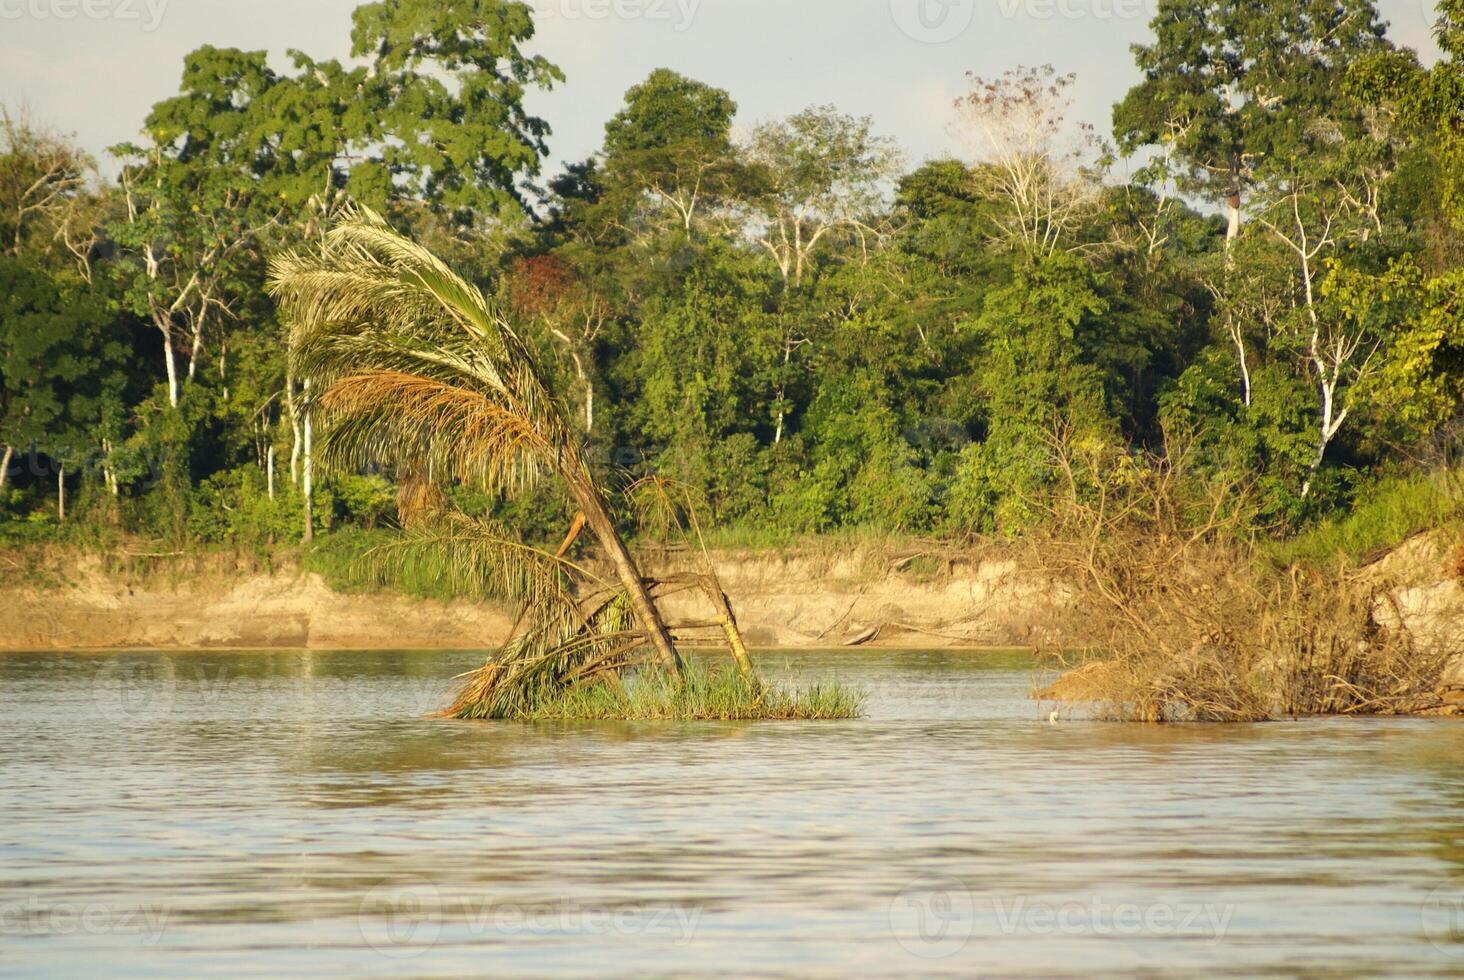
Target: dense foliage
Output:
{"points": [[806, 331]]}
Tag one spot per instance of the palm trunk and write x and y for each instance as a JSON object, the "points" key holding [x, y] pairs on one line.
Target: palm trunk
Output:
{"points": [[598, 518], [729, 624]]}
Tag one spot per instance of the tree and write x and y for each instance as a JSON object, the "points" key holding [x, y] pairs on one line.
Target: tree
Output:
{"points": [[544, 289], [194, 205], [1037, 375], [814, 173], [45, 191], [418, 370], [59, 361], [1231, 84], [819, 170], [1024, 159], [446, 87], [1421, 375], [672, 143]]}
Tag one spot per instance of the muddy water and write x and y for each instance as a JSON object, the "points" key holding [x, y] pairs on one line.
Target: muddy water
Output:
{"points": [[290, 813]]}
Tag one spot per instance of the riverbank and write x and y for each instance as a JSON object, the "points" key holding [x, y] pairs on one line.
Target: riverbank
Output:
{"points": [[816, 595], [803, 597]]}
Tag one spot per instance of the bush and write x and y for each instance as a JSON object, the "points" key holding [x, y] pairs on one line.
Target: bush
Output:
{"points": [[1196, 625], [365, 500], [1385, 515]]}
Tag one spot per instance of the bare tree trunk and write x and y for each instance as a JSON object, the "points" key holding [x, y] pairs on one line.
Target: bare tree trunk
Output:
{"points": [[269, 470], [109, 473], [309, 488], [1238, 339], [61, 492], [170, 361], [294, 430], [598, 518], [5, 466], [193, 352], [788, 347]]}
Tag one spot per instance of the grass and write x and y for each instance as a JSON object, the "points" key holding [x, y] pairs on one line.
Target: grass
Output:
{"points": [[769, 538], [1388, 514], [339, 558], [715, 693]]}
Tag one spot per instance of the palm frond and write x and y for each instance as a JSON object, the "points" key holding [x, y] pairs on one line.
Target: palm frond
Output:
{"points": [[481, 558], [418, 368], [454, 432], [547, 659]]}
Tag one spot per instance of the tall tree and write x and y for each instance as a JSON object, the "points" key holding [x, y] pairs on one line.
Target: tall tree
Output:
{"points": [[59, 364], [1026, 161], [820, 170], [448, 80], [1232, 84], [672, 143]]}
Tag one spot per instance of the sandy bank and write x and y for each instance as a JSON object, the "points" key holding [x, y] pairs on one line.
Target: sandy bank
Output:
{"points": [[785, 600]]}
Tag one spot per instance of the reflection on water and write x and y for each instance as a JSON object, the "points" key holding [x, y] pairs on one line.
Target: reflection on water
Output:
{"points": [[288, 813]]}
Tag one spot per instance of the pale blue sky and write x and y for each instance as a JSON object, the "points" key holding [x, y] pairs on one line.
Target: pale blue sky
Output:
{"points": [[93, 67]]}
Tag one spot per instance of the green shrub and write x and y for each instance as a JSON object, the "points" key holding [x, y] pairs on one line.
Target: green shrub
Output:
{"points": [[1384, 516]]}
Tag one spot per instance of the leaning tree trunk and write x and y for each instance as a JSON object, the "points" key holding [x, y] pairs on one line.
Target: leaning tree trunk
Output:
{"points": [[597, 516]]}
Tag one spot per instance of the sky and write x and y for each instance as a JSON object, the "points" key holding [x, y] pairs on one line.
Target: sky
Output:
{"points": [[93, 68]]}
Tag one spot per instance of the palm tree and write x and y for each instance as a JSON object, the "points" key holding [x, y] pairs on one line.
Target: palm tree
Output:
{"points": [[415, 368]]}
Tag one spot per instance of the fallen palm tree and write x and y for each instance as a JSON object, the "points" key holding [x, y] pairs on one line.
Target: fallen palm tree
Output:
{"points": [[415, 369]]}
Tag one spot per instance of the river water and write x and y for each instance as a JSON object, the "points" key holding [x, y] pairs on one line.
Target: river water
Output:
{"points": [[290, 813]]}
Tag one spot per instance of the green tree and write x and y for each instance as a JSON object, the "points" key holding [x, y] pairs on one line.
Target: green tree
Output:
{"points": [[671, 143], [1037, 379], [446, 87], [60, 359], [1233, 84]]}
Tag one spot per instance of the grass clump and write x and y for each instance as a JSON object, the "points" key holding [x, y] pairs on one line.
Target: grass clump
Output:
{"points": [[702, 693]]}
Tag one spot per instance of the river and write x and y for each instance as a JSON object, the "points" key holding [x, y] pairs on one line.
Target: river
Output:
{"points": [[291, 813]]}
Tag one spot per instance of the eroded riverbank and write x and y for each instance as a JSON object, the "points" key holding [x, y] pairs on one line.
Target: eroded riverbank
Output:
{"points": [[793, 599]]}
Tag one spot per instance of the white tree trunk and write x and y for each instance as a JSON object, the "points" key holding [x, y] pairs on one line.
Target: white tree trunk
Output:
{"points": [[309, 471], [294, 431], [5, 466], [171, 362], [61, 492], [1237, 337], [269, 470], [109, 473]]}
